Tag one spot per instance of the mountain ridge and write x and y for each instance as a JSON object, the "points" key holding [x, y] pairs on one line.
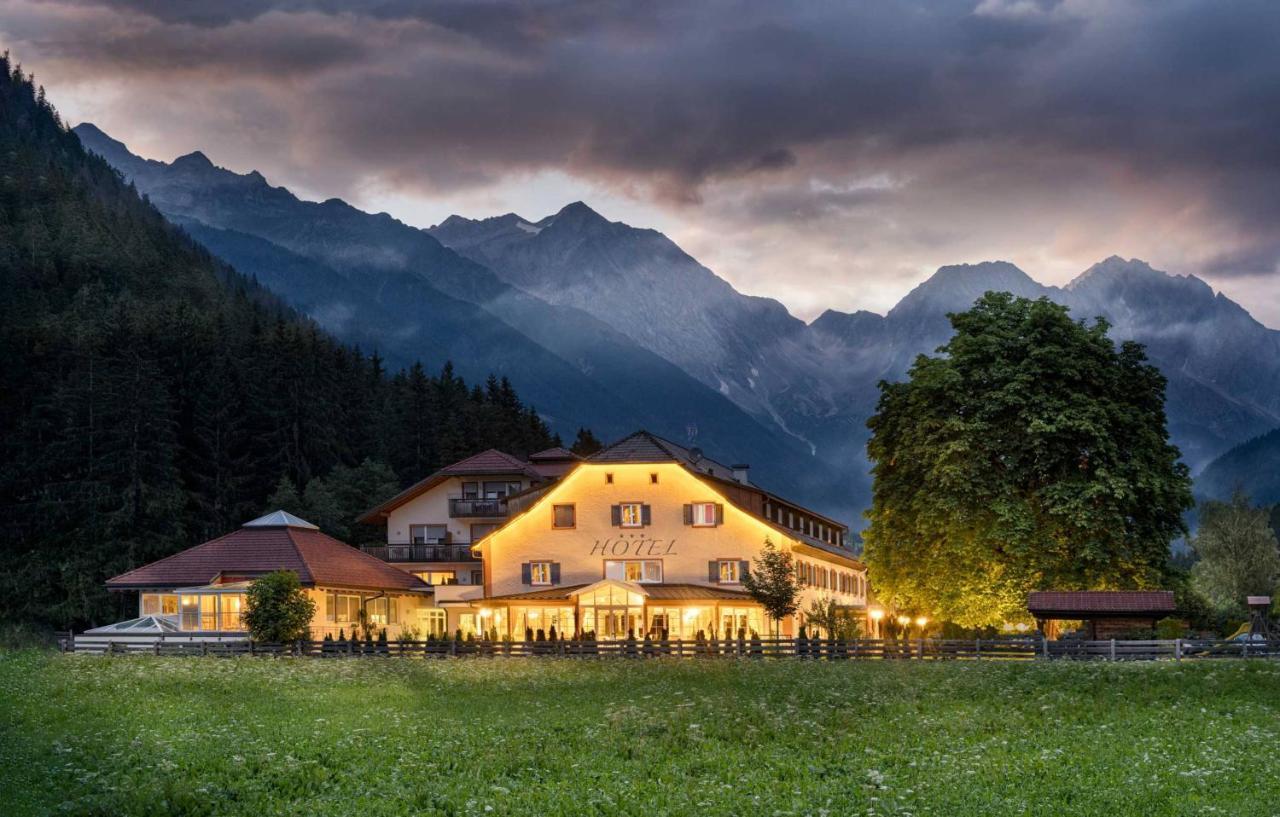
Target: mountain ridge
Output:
{"points": [[574, 368], [813, 383]]}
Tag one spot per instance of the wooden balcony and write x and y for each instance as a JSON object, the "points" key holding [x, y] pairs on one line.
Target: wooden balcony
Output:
{"points": [[482, 508], [422, 553]]}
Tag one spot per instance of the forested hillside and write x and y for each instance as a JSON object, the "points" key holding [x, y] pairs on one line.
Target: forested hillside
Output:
{"points": [[152, 397]]}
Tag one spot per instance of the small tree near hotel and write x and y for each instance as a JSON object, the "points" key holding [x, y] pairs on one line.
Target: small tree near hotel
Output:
{"points": [[278, 609], [772, 582]]}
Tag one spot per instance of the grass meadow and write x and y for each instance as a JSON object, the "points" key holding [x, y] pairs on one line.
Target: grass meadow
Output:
{"points": [[93, 735]]}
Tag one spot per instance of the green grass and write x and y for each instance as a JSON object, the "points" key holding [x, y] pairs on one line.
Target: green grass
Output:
{"points": [[88, 735]]}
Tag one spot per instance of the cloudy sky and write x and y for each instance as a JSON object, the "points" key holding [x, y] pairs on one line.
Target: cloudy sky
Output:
{"points": [[826, 154]]}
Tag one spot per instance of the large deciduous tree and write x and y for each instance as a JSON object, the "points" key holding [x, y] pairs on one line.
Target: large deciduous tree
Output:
{"points": [[1031, 453], [1238, 553]]}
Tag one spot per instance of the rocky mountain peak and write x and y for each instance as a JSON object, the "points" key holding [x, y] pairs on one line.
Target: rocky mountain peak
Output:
{"points": [[957, 286], [195, 161]]}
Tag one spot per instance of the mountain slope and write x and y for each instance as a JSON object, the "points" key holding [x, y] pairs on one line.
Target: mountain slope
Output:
{"points": [[818, 382], [373, 279], [152, 396], [1252, 467]]}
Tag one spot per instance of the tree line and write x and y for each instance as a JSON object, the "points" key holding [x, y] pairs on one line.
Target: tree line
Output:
{"points": [[151, 397]]}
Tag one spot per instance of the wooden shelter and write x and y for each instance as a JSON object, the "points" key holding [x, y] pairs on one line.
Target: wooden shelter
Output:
{"points": [[1104, 612]]}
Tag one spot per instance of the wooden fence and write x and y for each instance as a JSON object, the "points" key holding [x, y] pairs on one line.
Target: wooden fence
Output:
{"points": [[791, 648]]}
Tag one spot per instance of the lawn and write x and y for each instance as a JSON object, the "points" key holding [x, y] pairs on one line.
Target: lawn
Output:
{"points": [[85, 735]]}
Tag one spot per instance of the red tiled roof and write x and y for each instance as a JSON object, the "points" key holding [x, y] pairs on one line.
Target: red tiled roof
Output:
{"points": [[316, 558], [1101, 601], [492, 462], [557, 453]]}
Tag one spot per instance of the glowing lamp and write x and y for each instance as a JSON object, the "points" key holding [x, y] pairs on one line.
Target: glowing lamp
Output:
{"points": [[876, 613], [905, 621], [921, 621]]}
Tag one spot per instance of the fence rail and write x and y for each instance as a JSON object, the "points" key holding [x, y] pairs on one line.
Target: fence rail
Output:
{"points": [[793, 648]]}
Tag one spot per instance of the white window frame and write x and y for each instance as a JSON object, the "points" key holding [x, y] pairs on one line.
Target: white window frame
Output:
{"points": [[645, 565], [637, 521], [707, 510], [733, 571], [540, 573]]}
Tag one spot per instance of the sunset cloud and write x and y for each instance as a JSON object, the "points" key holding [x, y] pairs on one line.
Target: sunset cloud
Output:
{"points": [[825, 154]]}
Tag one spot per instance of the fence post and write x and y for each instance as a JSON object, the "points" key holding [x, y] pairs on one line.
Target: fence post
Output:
{"points": [[1177, 649], [1113, 649], [1044, 641], [977, 648]]}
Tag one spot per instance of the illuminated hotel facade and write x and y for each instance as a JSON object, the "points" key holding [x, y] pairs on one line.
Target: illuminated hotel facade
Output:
{"points": [[646, 537]]}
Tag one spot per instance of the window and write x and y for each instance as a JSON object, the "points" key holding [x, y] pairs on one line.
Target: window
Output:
{"points": [[190, 613], [643, 571], [232, 611], [631, 516], [342, 608], [482, 529], [729, 572], [608, 479], [434, 622], [470, 490], [427, 534], [653, 479], [156, 604], [377, 609], [438, 577], [704, 515], [477, 577], [540, 573], [563, 516], [208, 612], [500, 490]]}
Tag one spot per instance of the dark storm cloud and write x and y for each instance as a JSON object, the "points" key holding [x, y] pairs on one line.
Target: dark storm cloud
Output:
{"points": [[665, 99]]}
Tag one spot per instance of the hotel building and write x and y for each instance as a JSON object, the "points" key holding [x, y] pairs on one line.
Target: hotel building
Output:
{"points": [[644, 537]]}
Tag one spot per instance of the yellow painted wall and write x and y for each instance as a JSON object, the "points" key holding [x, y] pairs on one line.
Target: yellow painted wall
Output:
{"points": [[683, 549]]}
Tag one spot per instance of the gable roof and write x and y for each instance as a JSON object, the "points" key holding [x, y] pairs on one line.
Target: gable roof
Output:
{"points": [[258, 548], [644, 446], [487, 463], [1104, 602]]}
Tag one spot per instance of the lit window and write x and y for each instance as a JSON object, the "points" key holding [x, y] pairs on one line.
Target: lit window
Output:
{"points": [[729, 573], [437, 577], [155, 604], [563, 516], [232, 611], [434, 622], [540, 573], [646, 571], [632, 516], [704, 515]]}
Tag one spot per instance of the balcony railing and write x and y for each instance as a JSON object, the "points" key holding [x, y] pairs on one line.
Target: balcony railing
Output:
{"points": [[422, 553], [492, 508]]}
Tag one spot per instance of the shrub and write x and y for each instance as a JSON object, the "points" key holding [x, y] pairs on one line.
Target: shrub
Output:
{"points": [[1169, 628], [277, 608]]}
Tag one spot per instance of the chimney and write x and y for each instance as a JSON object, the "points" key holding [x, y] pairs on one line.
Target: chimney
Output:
{"points": [[740, 472]]}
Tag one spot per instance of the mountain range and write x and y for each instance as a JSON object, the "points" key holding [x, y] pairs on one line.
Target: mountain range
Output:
{"points": [[602, 324]]}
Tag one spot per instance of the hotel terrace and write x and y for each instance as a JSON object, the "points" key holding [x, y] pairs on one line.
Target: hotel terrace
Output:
{"points": [[644, 537]]}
